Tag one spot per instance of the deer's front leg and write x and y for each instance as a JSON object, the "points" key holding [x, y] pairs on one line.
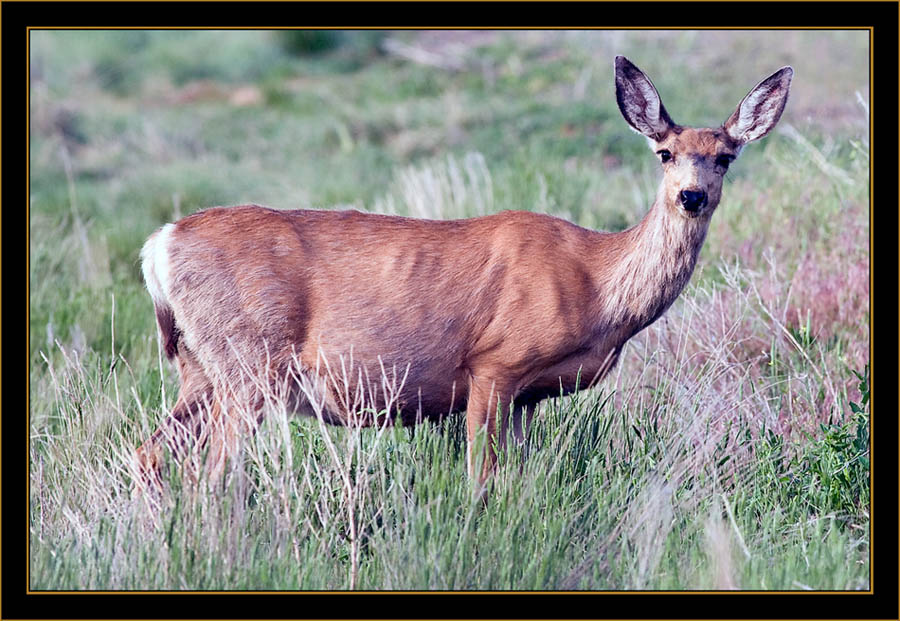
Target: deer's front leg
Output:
{"points": [[520, 419], [488, 400]]}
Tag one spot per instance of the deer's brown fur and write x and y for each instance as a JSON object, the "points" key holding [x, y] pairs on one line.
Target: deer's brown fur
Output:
{"points": [[486, 314]]}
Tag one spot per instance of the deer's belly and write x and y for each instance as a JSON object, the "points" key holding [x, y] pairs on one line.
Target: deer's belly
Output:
{"points": [[366, 392], [574, 373]]}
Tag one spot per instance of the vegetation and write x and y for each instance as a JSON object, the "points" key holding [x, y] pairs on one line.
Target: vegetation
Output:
{"points": [[729, 448]]}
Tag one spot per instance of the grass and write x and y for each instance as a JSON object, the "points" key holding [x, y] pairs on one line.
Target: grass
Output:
{"points": [[729, 448]]}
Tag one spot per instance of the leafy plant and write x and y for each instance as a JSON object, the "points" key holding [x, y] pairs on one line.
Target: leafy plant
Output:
{"points": [[831, 474]]}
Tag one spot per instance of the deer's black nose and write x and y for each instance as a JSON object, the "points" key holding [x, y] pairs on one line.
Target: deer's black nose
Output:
{"points": [[691, 200]]}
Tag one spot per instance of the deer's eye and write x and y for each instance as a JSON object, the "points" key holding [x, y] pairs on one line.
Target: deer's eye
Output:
{"points": [[664, 155], [724, 160]]}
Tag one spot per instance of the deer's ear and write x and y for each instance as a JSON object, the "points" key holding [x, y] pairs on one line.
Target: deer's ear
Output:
{"points": [[760, 110], [639, 102]]}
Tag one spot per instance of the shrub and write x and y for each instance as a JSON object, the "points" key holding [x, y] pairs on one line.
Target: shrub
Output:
{"points": [[831, 473], [305, 42]]}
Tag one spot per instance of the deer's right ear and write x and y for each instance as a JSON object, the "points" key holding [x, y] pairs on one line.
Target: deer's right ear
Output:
{"points": [[639, 102]]}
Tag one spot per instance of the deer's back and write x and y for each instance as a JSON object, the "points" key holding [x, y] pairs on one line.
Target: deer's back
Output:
{"points": [[439, 296]]}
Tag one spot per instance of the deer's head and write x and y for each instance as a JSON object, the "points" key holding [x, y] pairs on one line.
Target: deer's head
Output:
{"points": [[695, 160]]}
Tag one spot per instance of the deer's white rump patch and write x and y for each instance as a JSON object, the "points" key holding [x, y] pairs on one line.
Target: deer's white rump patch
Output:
{"points": [[155, 264]]}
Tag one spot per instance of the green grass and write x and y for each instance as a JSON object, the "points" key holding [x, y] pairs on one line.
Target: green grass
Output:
{"points": [[729, 448]]}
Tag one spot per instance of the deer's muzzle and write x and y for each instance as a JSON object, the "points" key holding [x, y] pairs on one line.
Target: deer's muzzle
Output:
{"points": [[693, 200]]}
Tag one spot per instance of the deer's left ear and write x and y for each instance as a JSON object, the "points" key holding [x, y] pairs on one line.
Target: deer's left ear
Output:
{"points": [[760, 110]]}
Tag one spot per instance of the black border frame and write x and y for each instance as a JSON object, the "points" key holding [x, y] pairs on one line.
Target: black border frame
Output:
{"points": [[882, 602]]}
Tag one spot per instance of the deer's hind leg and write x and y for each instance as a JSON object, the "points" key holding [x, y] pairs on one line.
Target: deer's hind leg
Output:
{"points": [[231, 418], [183, 426]]}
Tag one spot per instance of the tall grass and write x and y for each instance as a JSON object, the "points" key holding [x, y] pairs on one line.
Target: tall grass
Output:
{"points": [[683, 485], [728, 450]]}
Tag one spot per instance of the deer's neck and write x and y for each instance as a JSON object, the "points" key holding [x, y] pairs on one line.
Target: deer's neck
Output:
{"points": [[653, 263]]}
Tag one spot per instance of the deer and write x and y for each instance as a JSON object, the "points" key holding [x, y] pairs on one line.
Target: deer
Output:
{"points": [[488, 315]]}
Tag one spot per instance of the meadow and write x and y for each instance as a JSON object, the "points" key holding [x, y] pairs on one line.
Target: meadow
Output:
{"points": [[729, 449]]}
